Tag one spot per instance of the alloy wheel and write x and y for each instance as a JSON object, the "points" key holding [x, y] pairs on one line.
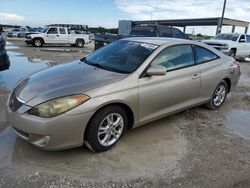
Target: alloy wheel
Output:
{"points": [[110, 129]]}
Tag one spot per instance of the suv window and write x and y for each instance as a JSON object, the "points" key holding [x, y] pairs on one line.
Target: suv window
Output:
{"points": [[143, 32], [165, 32], [175, 57], [62, 31], [52, 31], [177, 33], [248, 38], [204, 55]]}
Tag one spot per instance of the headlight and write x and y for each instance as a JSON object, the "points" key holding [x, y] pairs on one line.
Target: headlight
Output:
{"points": [[28, 36], [58, 106]]}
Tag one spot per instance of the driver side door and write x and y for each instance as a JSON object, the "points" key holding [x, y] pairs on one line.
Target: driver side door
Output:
{"points": [[178, 89], [52, 35]]}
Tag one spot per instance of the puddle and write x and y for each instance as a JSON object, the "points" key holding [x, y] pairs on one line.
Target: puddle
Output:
{"points": [[239, 121], [20, 66]]}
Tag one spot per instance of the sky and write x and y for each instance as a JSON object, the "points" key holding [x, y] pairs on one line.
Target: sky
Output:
{"points": [[107, 13]]}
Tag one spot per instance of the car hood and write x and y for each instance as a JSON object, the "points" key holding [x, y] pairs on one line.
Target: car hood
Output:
{"points": [[63, 80], [216, 41]]}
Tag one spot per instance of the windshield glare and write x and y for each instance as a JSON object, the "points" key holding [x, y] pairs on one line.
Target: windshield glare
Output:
{"points": [[232, 37], [121, 56]]}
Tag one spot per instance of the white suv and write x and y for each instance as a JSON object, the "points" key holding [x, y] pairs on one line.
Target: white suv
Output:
{"points": [[232, 44]]}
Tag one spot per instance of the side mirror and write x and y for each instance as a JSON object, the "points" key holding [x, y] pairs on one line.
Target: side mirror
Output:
{"points": [[242, 40], [156, 70]]}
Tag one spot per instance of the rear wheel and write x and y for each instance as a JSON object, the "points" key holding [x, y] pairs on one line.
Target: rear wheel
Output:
{"points": [[218, 97], [38, 42], [79, 43], [106, 128]]}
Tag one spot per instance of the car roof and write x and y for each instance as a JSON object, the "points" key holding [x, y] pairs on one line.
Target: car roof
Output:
{"points": [[156, 40]]}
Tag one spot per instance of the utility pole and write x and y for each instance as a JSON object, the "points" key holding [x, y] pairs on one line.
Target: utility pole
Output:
{"points": [[222, 16]]}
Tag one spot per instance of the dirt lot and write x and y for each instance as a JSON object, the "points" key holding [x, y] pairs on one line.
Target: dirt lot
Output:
{"points": [[195, 148]]}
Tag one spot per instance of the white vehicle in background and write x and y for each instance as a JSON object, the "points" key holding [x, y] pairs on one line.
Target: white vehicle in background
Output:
{"points": [[232, 44], [57, 35]]}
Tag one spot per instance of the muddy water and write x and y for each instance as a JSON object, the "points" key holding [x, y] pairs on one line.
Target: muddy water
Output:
{"points": [[20, 67], [239, 121]]}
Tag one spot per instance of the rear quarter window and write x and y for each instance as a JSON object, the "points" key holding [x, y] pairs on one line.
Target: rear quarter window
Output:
{"points": [[204, 55]]}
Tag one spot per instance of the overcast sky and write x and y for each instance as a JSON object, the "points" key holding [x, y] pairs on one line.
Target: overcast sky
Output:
{"points": [[107, 12]]}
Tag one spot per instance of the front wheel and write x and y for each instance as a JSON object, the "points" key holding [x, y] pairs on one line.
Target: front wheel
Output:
{"points": [[218, 97], [106, 128], [38, 43], [232, 53]]}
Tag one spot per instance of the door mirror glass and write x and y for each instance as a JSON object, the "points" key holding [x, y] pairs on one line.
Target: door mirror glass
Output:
{"points": [[156, 70]]}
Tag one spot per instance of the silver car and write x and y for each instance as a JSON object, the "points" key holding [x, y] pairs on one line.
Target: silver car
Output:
{"points": [[118, 87]]}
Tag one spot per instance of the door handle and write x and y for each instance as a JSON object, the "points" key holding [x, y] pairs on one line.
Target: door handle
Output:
{"points": [[57, 35], [195, 76]]}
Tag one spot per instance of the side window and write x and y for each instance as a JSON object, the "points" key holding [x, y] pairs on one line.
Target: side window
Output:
{"points": [[177, 33], [62, 31], [248, 38], [204, 55], [242, 37], [165, 32], [52, 31], [175, 57]]}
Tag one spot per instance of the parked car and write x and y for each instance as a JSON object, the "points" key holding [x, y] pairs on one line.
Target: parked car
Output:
{"points": [[57, 35], [121, 86], [4, 59], [2, 42], [233, 44], [145, 30], [13, 32]]}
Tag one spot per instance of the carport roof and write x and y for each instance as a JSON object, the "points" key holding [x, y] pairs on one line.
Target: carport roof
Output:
{"points": [[195, 22]]}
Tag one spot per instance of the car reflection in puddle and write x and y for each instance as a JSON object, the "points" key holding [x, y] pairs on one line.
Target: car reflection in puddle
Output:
{"points": [[20, 67], [238, 120]]}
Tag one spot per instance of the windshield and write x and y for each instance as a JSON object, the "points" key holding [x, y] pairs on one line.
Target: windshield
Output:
{"points": [[44, 30], [232, 37], [121, 56]]}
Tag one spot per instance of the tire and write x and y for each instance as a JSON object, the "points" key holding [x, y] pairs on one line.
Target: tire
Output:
{"points": [[38, 42], [100, 134], [232, 53], [219, 96], [80, 43]]}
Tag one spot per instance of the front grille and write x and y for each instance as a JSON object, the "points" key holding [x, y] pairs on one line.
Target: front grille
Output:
{"points": [[14, 103]]}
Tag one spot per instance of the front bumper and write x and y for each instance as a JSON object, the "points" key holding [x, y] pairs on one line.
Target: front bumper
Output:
{"points": [[57, 133], [29, 41]]}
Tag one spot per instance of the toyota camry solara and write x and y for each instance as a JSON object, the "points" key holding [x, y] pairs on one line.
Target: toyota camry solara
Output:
{"points": [[118, 87]]}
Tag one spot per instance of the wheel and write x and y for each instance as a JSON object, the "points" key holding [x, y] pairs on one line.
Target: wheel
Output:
{"points": [[106, 128], [232, 53], [79, 43], [218, 97], [38, 42]]}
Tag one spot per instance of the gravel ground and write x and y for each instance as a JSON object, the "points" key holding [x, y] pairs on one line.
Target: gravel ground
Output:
{"points": [[195, 148]]}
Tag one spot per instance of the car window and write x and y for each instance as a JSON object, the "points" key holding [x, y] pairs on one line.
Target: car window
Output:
{"points": [[143, 32], [165, 32], [175, 57], [177, 33], [248, 38], [52, 31], [62, 31], [204, 55]]}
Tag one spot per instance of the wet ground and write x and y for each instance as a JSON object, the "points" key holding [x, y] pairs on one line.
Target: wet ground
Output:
{"points": [[195, 148]]}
